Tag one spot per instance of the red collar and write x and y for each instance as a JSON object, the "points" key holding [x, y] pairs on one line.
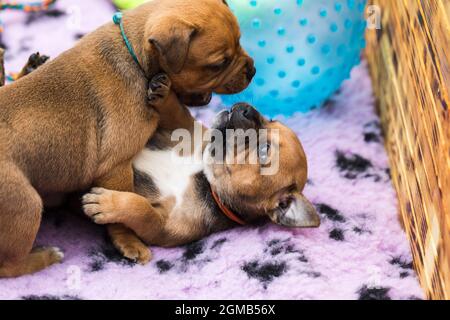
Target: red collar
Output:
{"points": [[226, 211]]}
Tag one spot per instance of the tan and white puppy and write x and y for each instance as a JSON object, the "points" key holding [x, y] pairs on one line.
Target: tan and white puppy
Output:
{"points": [[79, 120], [179, 200]]}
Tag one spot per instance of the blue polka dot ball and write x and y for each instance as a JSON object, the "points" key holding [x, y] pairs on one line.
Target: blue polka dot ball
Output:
{"points": [[303, 50]]}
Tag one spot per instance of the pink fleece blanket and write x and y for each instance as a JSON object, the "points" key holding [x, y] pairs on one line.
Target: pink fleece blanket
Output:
{"points": [[359, 252]]}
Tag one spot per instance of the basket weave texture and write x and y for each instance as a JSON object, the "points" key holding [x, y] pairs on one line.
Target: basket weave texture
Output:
{"points": [[409, 59]]}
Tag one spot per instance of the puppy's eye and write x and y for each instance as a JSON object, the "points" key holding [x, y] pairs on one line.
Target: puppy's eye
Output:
{"points": [[219, 66], [285, 204], [263, 153]]}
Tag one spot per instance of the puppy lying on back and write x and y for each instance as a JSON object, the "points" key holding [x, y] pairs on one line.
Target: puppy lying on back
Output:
{"points": [[178, 201], [80, 119]]}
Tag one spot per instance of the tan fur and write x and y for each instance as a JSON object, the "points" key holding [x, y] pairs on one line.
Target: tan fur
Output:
{"points": [[158, 221], [39, 258], [80, 119], [2, 67]]}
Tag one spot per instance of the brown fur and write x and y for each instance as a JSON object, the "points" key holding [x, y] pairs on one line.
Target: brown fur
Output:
{"points": [[2, 67], [80, 119], [157, 219]]}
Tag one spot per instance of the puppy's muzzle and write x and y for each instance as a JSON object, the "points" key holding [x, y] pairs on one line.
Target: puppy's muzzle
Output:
{"points": [[241, 116], [244, 116], [251, 70]]}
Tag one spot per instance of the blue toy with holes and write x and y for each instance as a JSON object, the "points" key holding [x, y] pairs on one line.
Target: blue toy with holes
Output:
{"points": [[303, 50]]}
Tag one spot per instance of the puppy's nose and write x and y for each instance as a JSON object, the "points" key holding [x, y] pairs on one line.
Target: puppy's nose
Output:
{"points": [[245, 111], [251, 70]]}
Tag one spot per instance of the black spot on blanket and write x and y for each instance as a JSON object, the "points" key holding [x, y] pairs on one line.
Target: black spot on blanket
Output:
{"points": [[51, 13], [371, 137], [337, 234], [352, 165], [388, 173], [164, 265], [218, 243], [361, 230], [372, 132], [274, 242], [312, 274], [105, 254], [275, 247], [193, 250], [302, 258], [78, 36], [405, 266], [278, 246], [404, 275], [264, 272], [331, 213], [399, 261], [276, 251], [376, 293], [50, 297], [358, 230], [3, 44]]}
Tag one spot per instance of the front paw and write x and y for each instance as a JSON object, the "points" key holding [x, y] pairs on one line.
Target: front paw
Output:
{"points": [[35, 61], [99, 206], [159, 89]]}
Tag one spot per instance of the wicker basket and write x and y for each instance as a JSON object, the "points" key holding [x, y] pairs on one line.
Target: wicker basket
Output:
{"points": [[410, 66]]}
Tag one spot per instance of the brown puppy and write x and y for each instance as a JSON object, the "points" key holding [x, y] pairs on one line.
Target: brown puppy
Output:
{"points": [[180, 200], [80, 119]]}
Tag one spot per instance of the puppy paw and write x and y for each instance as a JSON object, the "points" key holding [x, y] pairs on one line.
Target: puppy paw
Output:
{"points": [[159, 89], [34, 61], [55, 254], [135, 251], [51, 255], [99, 206]]}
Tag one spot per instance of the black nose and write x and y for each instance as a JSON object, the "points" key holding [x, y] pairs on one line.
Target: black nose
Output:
{"points": [[245, 116], [251, 70]]}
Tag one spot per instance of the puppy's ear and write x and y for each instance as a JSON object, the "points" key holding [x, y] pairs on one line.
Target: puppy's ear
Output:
{"points": [[172, 39], [300, 214]]}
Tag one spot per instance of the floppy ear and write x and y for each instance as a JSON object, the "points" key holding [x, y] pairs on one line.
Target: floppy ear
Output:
{"points": [[300, 214], [172, 38]]}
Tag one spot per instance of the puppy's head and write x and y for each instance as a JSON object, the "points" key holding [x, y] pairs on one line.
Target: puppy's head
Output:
{"points": [[198, 46], [262, 178]]}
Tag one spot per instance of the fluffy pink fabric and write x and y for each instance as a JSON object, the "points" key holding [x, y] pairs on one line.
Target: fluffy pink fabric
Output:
{"points": [[359, 252]]}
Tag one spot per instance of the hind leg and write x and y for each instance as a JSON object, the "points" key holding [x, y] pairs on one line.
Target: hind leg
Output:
{"points": [[136, 212], [123, 238], [20, 218]]}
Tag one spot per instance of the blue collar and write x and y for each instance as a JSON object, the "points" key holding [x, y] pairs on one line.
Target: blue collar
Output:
{"points": [[117, 19]]}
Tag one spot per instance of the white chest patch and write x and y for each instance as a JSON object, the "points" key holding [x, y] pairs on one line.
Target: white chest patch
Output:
{"points": [[170, 172]]}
